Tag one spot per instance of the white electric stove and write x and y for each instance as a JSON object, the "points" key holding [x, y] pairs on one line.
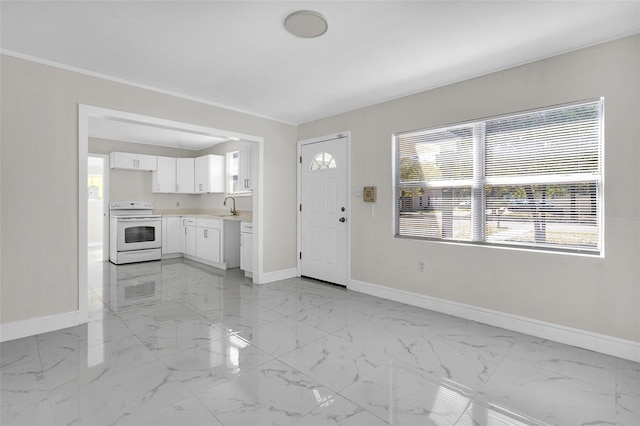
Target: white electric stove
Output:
{"points": [[135, 233]]}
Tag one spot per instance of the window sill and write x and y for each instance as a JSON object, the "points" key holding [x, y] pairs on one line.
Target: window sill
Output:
{"points": [[540, 250], [239, 194]]}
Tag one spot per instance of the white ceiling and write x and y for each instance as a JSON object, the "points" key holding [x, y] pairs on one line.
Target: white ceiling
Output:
{"points": [[237, 53], [137, 132]]}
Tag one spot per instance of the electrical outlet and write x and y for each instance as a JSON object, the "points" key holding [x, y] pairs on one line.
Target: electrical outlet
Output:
{"points": [[421, 266]]}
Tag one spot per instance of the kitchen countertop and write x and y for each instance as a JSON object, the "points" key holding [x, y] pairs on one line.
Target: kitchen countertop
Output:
{"points": [[241, 217]]}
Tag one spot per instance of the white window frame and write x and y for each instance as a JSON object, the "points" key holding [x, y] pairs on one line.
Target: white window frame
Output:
{"points": [[479, 181]]}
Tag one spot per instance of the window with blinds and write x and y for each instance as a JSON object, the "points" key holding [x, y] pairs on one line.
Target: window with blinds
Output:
{"points": [[530, 179]]}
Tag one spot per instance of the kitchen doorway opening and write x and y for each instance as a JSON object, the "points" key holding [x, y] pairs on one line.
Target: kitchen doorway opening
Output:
{"points": [[88, 114], [97, 207], [97, 226]]}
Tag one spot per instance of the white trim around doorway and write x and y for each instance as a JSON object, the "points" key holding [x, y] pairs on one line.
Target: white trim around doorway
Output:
{"points": [[87, 111]]}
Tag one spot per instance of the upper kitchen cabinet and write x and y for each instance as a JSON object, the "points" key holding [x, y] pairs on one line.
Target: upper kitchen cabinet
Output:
{"points": [[245, 169], [163, 179], [129, 161], [209, 174], [185, 175]]}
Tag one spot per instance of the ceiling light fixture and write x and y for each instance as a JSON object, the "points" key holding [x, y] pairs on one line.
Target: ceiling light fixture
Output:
{"points": [[306, 24]]}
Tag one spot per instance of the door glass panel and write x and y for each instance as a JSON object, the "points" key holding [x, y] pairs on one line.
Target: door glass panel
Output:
{"points": [[322, 161], [139, 234]]}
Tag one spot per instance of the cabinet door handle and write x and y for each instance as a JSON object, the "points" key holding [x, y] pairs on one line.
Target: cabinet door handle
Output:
{"points": [[185, 230], [206, 235]]}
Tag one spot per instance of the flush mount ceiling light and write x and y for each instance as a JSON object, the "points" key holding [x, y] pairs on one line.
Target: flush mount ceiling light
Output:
{"points": [[306, 24]]}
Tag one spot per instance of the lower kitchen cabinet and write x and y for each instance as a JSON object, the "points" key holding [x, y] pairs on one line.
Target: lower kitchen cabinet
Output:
{"points": [[209, 240], [189, 237], [246, 248], [246, 253], [208, 244], [172, 236], [231, 243]]}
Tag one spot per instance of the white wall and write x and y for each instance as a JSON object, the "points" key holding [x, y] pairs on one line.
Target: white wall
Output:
{"points": [[600, 295], [39, 175]]}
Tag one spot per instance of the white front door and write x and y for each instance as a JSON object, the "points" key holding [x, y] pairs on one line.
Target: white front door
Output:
{"points": [[324, 215]]}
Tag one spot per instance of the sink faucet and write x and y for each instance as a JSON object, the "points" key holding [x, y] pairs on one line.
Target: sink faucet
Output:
{"points": [[233, 209]]}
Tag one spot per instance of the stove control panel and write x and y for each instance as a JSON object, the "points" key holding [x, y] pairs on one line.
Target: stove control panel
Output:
{"points": [[130, 205]]}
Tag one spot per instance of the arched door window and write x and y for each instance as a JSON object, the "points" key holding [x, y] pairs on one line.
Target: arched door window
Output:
{"points": [[322, 161]]}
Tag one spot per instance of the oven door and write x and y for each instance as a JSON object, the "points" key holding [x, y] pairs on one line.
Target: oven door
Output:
{"points": [[139, 233]]}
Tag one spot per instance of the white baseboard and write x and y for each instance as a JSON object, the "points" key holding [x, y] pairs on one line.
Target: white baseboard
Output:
{"points": [[621, 348], [172, 256], [283, 274], [19, 329]]}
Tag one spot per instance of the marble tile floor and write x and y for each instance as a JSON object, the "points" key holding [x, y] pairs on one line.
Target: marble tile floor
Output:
{"points": [[178, 343]]}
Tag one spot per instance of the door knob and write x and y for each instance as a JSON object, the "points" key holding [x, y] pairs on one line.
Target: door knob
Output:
{"points": [[343, 219]]}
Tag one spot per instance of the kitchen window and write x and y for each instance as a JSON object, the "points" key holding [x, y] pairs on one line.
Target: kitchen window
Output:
{"points": [[234, 184], [233, 168], [531, 180]]}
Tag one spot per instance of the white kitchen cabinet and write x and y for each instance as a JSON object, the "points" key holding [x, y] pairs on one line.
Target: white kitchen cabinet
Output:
{"points": [[130, 161], [172, 235], [185, 169], [147, 162], [217, 241], [245, 169], [246, 248], [189, 236], [163, 179], [208, 241], [209, 174], [230, 243]]}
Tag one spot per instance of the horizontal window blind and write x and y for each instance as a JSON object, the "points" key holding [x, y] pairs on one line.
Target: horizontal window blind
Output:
{"points": [[545, 145], [528, 179], [437, 158], [435, 175]]}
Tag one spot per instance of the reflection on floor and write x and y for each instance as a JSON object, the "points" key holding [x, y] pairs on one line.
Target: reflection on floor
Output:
{"points": [[94, 253], [177, 343]]}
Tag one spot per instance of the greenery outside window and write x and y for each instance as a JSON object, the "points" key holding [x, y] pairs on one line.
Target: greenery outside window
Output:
{"points": [[531, 179]]}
